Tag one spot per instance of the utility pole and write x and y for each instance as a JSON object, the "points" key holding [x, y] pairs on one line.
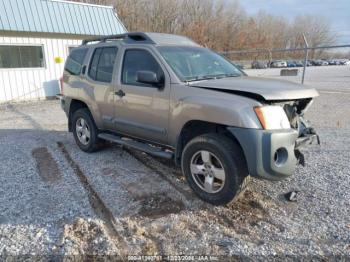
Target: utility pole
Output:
{"points": [[306, 57]]}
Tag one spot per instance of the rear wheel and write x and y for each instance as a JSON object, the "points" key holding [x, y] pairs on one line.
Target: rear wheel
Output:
{"points": [[85, 131], [215, 168]]}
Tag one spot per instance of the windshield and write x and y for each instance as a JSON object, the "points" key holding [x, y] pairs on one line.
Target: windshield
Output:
{"points": [[196, 63]]}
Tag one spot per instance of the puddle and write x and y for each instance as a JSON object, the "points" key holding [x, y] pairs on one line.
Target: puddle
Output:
{"points": [[47, 166]]}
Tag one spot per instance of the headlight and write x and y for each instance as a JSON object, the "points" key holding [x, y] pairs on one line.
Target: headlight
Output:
{"points": [[272, 117]]}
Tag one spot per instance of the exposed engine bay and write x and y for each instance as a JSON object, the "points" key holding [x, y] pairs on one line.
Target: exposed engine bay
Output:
{"points": [[307, 135]]}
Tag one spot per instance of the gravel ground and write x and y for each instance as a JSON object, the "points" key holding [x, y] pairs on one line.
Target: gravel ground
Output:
{"points": [[57, 200]]}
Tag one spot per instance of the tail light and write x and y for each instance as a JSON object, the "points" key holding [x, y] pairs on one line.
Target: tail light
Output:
{"points": [[61, 85]]}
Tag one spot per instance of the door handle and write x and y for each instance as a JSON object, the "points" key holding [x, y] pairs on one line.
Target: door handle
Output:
{"points": [[120, 93]]}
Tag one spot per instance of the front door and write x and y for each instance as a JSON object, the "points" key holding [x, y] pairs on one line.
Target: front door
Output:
{"points": [[143, 109]]}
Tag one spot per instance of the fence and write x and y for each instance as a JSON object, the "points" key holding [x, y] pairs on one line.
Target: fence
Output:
{"points": [[266, 56]]}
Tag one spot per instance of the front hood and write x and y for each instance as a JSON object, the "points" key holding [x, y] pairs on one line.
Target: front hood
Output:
{"points": [[267, 89]]}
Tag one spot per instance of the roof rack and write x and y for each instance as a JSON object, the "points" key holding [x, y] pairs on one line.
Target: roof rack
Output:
{"points": [[127, 37]]}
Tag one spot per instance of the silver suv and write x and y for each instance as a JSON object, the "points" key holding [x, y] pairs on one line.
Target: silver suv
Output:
{"points": [[171, 98]]}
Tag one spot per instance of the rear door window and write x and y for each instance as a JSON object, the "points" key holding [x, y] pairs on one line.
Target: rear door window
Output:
{"points": [[75, 61], [94, 63], [102, 64]]}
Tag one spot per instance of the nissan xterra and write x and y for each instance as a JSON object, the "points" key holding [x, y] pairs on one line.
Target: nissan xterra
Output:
{"points": [[171, 98]]}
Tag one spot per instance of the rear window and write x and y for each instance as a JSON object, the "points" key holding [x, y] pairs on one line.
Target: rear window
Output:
{"points": [[102, 64], [75, 61]]}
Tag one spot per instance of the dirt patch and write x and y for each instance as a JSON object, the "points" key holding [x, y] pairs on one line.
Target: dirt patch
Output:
{"points": [[85, 237], [145, 187], [109, 172], [249, 211], [47, 166], [159, 205], [150, 248]]}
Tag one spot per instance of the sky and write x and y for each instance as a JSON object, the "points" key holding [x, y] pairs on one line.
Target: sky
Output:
{"points": [[336, 11]]}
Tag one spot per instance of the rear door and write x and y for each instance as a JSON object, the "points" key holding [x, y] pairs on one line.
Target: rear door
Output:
{"points": [[99, 91], [144, 109]]}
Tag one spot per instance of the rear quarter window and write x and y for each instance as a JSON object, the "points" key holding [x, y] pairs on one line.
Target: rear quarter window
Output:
{"points": [[75, 61]]}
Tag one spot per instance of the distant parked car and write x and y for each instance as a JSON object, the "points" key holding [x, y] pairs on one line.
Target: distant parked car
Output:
{"points": [[240, 66], [324, 62], [259, 65], [320, 63], [278, 64], [308, 63], [332, 62], [291, 64], [312, 62], [345, 62], [299, 63]]}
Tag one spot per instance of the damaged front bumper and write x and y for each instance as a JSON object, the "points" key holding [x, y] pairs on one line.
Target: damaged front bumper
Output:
{"points": [[273, 154], [303, 141], [307, 136]]}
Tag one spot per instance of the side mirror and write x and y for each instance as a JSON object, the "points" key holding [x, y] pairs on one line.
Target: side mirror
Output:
{"points": [[148, 77]]}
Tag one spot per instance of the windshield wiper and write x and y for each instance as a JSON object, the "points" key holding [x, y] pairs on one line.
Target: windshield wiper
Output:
{"points": [[227, 75], [209, 77], [199, 78]]}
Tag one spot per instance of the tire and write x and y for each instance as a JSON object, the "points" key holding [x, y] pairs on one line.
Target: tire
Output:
{"points": [[206, 177], [91, 144]]}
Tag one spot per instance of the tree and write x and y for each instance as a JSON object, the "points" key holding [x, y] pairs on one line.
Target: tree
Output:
{"points": [[317, 32], [220, 24]]}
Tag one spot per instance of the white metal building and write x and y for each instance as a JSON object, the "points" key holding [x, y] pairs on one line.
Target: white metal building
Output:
{"points": [[35, 39]]}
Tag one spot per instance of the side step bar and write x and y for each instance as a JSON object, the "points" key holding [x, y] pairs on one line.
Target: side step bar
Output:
{"points": [[155, 151]]}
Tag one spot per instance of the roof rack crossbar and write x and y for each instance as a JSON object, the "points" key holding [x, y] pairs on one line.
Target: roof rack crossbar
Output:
{"points": [[129, 37], [104, 38]]}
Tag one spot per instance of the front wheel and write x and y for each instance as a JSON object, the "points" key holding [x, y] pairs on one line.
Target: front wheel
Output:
{"points": [[215, 168]]}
